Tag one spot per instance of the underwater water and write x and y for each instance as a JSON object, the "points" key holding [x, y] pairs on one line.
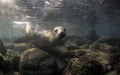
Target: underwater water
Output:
{"points": [[59, 37]]}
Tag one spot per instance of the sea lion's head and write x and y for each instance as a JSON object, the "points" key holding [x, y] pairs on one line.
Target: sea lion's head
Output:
{"points": [[59, 32]]}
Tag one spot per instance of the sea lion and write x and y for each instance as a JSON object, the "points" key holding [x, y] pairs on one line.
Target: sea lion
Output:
{"points": [[47, 37], [43, 37]]}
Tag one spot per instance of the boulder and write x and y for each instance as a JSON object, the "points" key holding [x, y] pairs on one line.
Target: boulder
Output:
{"points": [[103, 42], [5, 65], [81, 66], [2, 48], [18, 46], [11, 53], [93, 54], [15, 63], [37, 62]]}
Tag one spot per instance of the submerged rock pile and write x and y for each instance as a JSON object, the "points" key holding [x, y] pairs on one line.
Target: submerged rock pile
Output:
{"points": [[68, 57]]}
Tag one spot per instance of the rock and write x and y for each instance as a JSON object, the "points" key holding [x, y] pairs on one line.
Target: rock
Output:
{"points": [[15, 63], [11, 53], [95, 45], [22, 46], [71, 45], [37, 62], [111, 40], [74, 42], [105, 47], [9, 45], [104, 41], [5, 65], [18, 46], [81, 66], [2, 48], [61, 49], [84, 46], [93, 54], [117, 69], [1, 73], [16, 73], [111, 73]]}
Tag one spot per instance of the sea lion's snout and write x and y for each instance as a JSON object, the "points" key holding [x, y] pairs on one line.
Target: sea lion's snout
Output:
{"points": [[62, 35], [60, 32]]}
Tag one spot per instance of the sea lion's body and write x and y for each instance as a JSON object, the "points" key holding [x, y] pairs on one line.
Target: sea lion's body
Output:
{"points": [[43, 37]]}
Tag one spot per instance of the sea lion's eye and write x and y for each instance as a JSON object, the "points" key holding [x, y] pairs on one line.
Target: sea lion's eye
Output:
{"points": [[55, 30]]}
